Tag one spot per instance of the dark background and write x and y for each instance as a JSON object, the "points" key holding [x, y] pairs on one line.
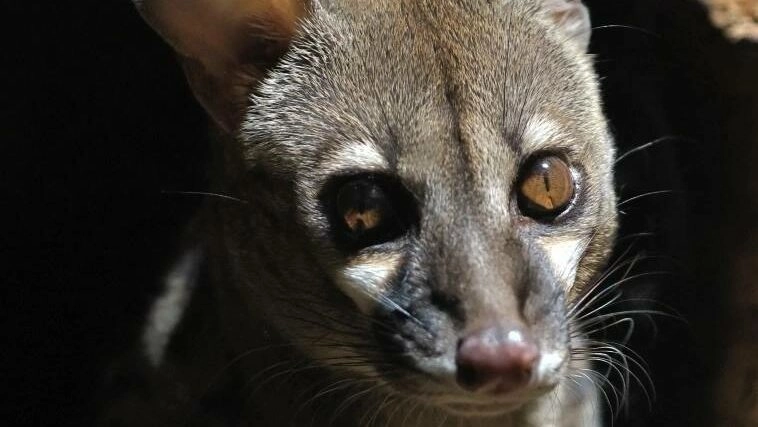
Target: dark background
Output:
{"points": [[98, 127]]}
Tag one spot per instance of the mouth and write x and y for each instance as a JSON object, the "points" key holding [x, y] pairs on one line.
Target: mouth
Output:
{"points": [[447, 397], [476, 409], [437, 386]]}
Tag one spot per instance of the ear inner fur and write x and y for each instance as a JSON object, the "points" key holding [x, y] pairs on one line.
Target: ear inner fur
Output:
{"points": [[226, 45], [572, 19]]}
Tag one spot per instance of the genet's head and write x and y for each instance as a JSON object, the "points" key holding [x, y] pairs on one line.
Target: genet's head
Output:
{"points": [[444, 180]]}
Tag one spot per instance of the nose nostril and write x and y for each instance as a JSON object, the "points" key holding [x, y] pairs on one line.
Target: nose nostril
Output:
{"points": [[494, 360], [467, 377]]}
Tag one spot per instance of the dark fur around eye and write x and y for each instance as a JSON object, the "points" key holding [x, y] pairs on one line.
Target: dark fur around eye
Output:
{"points": [[365, 210]]}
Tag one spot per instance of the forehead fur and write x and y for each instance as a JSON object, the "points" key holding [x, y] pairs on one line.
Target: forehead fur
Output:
{"points": [[454, 80]]}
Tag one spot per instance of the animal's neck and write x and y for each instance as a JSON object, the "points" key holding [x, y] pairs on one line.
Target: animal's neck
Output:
{"points": [[428, 417]]}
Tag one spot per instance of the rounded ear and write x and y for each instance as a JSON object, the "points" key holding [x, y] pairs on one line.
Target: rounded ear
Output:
{"points": [[572, 18], [225, 45]]}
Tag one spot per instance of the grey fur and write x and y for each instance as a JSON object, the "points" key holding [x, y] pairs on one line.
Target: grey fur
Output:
{"points": [[450, 98]]}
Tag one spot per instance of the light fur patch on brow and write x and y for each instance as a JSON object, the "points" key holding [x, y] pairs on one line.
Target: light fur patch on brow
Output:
{"points": [[542, 132], [365, 279], [363, 155], [564, 255]]}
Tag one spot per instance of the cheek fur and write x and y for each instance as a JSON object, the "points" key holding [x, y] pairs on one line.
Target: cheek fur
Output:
{"points": [[366, 279]]}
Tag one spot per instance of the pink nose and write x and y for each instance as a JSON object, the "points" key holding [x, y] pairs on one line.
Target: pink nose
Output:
{"points": [[496, 360]]}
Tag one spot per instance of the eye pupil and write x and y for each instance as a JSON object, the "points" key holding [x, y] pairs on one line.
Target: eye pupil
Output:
{"points": [[359, 221], [362, 205], [547, 187], [368, 210]]}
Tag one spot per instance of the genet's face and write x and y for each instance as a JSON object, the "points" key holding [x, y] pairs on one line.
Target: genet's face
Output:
{"points": [[455, 188]]}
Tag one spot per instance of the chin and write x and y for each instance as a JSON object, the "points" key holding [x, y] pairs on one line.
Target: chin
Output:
{"points": [[481, 410], [467, 405]]}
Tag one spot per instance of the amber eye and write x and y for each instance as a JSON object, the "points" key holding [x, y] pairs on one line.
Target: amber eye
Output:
{"points": [[367, 212], [546, 188]]}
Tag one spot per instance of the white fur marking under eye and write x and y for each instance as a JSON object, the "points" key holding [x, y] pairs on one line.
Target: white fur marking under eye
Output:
{"points": [[364, 280], [168, 309], [564, 256]]}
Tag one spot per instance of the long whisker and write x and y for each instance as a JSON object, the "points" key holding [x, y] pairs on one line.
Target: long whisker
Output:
{"points": [[577, 307], [205, 194], [619, 283], [642, 196], [627, 27], [650, 145]]}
